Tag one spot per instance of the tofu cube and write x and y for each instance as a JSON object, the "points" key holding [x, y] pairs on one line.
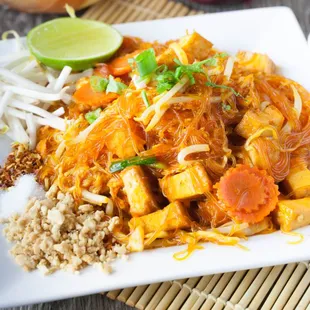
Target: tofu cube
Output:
{"points": [[172, 217], [254, 120], [117, 138], [189, 184], [293, 214], [194, 45], [140, 197], [136, 240], [256, 62], [298, 182]]}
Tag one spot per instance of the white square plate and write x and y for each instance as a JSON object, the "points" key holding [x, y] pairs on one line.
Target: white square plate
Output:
{"points": [[274, 31]]}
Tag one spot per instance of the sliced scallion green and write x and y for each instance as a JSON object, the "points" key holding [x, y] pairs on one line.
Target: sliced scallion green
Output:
{"points": [[146, 62], [114, 86], [92, 115], [133, 161], [145, 99], [98, 84]]}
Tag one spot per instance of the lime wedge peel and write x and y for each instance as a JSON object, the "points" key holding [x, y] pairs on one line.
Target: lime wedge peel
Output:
{"points": [[74, 42]]}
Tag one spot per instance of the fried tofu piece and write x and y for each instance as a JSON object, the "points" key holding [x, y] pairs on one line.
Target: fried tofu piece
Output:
{"points": [[136, 240], [298, 182], [116, 189], [194, 45], [172, 217], [117, 138], [137, 189], [254, 120], [256, 62], [293, 214], [167, 58], [189, 184]]}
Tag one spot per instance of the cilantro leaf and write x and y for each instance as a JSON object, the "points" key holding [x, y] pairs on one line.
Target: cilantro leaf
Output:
{"points": [[196, 67], [211, 84], [166, 81]]}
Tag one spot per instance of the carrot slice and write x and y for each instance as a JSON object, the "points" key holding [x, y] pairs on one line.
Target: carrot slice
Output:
{"points": [[249, 194], [85, 95], [120, 66]]}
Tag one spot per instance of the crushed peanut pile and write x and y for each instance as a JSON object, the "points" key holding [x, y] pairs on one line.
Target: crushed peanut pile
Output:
{"points": [[19, 162], [54, 234]]}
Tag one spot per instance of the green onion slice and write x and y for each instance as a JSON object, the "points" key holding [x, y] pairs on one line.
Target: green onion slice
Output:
{"points": [[145, 99], [133, 161], [98, 84], [146, 62], [115, 87], [92, 115]]}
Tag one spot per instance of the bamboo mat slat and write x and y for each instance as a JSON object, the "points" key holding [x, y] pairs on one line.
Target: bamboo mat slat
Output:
{"points": [[121, 11], [284, 287]]}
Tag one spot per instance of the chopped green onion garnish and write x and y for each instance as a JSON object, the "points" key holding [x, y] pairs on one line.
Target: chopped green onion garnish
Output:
{"points": [[144, 97], [133, 161], [146, 62], [93, 115], [98, 84], [115, 87], [158, 166], [146, 79]]}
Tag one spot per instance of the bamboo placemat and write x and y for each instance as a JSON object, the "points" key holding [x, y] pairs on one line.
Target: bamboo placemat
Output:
{"points": [[281, 287]]}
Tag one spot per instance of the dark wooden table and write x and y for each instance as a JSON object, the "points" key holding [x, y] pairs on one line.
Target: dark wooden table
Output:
{"points": [[22, 22]]}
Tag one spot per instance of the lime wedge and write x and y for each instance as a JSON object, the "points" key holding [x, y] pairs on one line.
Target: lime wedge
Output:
{"points": [[73, 42]]}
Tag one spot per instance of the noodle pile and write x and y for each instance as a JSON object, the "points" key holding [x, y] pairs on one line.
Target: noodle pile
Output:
{"points": [[224, 132]]}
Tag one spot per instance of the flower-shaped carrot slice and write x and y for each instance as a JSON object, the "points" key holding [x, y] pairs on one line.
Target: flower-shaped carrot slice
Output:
{"points": [[248, 193]]}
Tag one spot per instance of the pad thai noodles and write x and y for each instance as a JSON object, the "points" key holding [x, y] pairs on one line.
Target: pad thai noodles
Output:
{"points": [[183, 142]]}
